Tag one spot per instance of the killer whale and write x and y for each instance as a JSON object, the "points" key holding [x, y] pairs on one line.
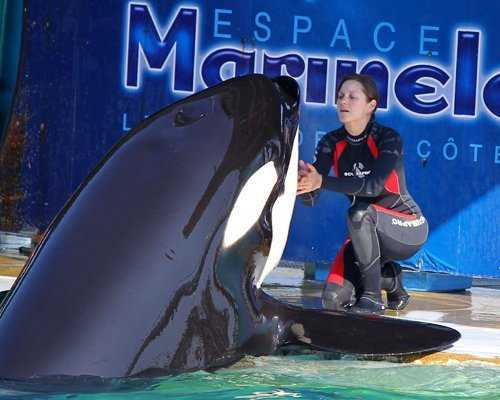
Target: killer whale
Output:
{"points": [[154, 266]]}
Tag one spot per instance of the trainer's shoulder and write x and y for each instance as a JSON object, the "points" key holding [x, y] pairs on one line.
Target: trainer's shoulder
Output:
{"points": [[383, 133], [334, 136], [329, 140]]}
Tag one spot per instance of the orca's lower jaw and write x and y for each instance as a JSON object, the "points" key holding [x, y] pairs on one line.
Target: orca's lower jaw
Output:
{"points": [[280, 212]]}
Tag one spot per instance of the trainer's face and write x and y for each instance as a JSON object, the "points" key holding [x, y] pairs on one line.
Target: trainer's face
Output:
{"points": [[353, 107]]}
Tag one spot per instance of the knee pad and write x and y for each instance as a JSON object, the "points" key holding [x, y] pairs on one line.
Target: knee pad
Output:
{"points": [[338, 297], [362, 229], [357, 213]]}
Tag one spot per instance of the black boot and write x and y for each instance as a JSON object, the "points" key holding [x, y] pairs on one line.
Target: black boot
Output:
{"points": [[392, 283], [368, 304], [370, 301]]}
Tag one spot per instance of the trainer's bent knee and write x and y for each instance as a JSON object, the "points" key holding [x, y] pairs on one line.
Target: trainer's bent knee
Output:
{"points": [[338, 297]]}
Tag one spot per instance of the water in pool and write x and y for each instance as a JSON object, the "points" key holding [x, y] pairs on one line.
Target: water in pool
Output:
{"points": [[299, 376]]}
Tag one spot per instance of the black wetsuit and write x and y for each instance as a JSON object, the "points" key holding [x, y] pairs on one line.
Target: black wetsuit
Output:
{"points": [[384, 221]]}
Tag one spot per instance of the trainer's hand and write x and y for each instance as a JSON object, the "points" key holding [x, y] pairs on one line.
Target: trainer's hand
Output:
{"points": [[308, 179]]}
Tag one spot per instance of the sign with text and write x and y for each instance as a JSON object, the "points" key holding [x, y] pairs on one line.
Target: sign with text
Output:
{"points": [[92, 71]]}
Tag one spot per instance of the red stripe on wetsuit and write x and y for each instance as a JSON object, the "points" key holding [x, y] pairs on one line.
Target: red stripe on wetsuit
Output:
{"points": [[409, 217], [336, 274], [339, 148], [392, 181]]}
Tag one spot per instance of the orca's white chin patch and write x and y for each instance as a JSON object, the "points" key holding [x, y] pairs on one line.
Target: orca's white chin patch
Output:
{"points": [[250, 203], [282, 214]]}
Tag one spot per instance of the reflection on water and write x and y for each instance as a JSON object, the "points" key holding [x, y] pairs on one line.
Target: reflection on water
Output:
{"points": [[310, 375]]}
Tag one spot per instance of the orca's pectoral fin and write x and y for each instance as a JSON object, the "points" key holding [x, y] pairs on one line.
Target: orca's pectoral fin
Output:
{"points": [[367, 335]]}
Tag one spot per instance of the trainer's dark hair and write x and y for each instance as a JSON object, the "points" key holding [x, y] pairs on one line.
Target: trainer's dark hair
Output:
{"points": [[367, 83]]}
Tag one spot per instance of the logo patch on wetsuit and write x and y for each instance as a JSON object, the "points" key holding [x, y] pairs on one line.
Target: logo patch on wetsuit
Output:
{"points": [[357, 170], [408, 224]]}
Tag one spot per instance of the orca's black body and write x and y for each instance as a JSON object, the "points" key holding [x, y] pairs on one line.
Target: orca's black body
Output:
{"points": [[154, 265]]}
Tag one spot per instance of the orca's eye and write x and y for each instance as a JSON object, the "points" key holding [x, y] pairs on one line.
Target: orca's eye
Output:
{"points": [[182, 118]]}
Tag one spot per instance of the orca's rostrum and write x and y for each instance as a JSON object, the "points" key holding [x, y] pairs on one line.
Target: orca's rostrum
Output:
{"points": [[154, 266]]}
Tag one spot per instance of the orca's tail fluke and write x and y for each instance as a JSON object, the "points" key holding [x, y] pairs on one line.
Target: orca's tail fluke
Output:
{"points": [[364, 335]]}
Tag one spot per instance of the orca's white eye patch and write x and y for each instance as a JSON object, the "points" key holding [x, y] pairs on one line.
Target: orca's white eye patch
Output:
{"points": [[250, 203]]}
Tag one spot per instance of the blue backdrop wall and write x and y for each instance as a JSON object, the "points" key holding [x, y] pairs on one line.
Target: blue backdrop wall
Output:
{"points": [[92, 70]]}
